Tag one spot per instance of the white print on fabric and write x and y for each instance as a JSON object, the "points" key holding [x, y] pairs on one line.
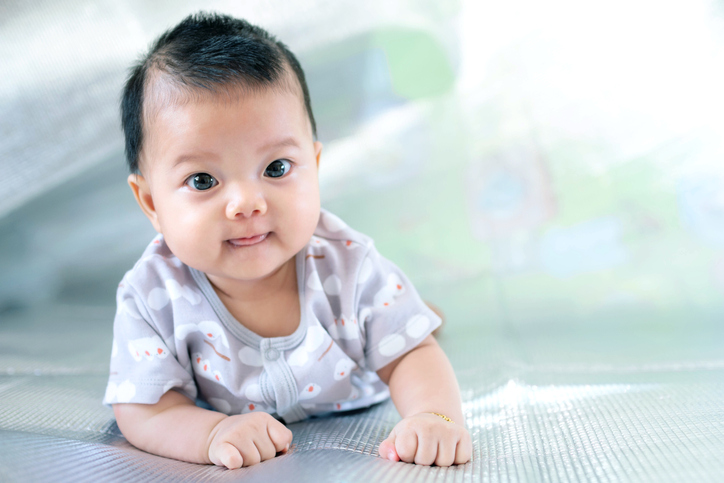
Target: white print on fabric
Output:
{"points": [[114, 349], [315, 337], [313, 281], [365, 271], [386, 296], [158, 298], [148, 347], [220, 404], [333, 285], [203, 368], [253, 393], [250, 357], [310, 390], [391, 345], [332, 223], [342, 369], [208, 328], [300, 356], [111, 391], [417, 326], [344, 328], [350, 245], [121, 393]]}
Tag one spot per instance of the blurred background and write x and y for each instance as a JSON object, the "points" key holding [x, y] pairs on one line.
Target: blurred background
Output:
{"points": [[525, 164], [549, 173]]}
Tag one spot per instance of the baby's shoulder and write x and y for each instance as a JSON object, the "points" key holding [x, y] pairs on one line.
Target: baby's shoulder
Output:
{"points": [[335, 235], [336, 248], [332, 229], [157, 267]]}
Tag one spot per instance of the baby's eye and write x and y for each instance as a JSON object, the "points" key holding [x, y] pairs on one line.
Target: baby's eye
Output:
{"points": [[278, 168], [202, 181]]}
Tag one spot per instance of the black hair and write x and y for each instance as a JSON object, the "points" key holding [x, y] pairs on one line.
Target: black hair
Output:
{"points": [[207, 52]]}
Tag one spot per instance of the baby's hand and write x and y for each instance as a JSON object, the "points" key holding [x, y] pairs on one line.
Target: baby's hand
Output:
{"points": [[425, 439], [247, 439]]}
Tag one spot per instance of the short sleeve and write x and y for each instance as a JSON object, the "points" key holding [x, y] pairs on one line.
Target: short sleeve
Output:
{"points": [[144, 365], [393, 318]]}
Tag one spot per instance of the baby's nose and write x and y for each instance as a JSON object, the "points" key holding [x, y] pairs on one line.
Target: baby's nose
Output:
{"points": [[245, 202]]}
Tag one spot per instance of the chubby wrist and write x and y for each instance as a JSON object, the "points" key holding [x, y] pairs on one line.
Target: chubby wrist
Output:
{"points": [[440, 415], [454, 417]]}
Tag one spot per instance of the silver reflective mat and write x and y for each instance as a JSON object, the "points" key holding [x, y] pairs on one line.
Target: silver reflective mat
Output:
{"points": [[536, 413]]}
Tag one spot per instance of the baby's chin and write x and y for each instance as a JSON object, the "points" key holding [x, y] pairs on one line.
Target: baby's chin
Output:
{"points": [[254, 266]]}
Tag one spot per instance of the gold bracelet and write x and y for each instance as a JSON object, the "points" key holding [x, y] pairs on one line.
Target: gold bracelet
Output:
{"points": [[443, 417]]}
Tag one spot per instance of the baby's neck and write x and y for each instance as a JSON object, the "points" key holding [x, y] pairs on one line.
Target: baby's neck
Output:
{"points": [[283, 280], [269, 308]]}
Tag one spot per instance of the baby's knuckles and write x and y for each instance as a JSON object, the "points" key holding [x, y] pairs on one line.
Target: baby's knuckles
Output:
{"points": [[437, 440], [406, 445], [464, 449], [226, 455], [234, 436]]}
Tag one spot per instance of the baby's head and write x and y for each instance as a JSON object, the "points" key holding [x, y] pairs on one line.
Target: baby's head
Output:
{"points": [[220, 142], [205, 55]]}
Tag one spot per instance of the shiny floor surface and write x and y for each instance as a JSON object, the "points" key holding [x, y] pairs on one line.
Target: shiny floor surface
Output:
{"points": [[629, 404], [548, 173]]}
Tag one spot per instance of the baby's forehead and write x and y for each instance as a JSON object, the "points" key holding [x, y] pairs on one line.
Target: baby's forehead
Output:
{"points": [[164, 94], [162, 91]]}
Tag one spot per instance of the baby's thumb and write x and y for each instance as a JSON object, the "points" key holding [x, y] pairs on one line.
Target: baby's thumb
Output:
{"points": [[387, 448], [227, 455]]}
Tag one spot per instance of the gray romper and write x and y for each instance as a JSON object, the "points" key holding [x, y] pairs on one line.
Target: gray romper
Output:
{"points": [[358, 313]]}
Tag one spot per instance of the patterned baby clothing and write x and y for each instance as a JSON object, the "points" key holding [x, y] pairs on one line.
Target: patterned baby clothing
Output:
{"points": [[358, 313]]}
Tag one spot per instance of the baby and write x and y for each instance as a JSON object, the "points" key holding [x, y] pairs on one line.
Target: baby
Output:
{"points": [[252, 300]]}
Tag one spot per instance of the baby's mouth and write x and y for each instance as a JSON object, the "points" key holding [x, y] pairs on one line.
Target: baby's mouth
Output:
{"points": [[245, 242]]}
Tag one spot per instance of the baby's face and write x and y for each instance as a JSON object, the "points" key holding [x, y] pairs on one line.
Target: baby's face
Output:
{"points": [[232, 184]]}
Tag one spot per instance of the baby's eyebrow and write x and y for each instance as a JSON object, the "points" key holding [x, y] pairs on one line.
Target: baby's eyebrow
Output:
{"points": [[287, 141], [185, 158]]}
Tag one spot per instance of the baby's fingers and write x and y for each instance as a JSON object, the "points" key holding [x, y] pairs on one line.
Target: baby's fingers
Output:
{"points": [[406, 444], [280, 436], [464, 450], [387, 448], [446, 452], [226, 454]]}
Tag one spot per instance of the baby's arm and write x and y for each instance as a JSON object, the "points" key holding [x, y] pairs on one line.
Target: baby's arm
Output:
{"points": [[422, 382], [176, 428]]}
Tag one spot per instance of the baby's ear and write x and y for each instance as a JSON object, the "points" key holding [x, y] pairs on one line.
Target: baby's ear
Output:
{"points": [[317, 151], [141, 191]]}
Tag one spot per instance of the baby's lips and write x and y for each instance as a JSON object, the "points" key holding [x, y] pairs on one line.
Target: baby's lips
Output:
{"points": [[252, 240]]}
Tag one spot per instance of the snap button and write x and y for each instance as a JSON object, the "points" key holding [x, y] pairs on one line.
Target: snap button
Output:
{"points": [[272, 354]]}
